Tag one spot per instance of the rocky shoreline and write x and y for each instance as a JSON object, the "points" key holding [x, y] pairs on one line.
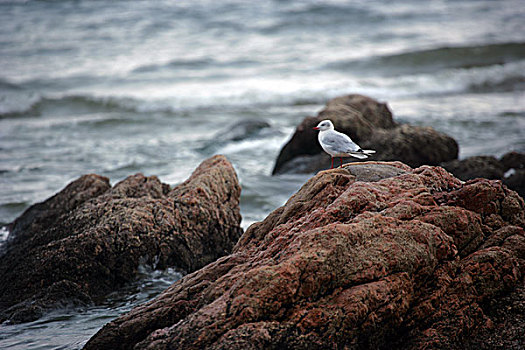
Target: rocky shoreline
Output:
{"points": [[371, 124], [90, 238], [379, 254], [373, 255]]}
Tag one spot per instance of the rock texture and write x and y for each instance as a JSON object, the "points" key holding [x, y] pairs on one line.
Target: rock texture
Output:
{"points": [[370, 256], [510, 168], [370, 124], [90, 238]]}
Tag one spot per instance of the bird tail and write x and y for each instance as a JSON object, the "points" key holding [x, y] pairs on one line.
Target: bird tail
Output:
{"points": [[362, 154], [359, 155]]}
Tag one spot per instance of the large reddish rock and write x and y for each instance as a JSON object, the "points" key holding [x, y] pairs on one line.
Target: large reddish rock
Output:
{"points": [[373, 255], [90, 238], [370, 124]]}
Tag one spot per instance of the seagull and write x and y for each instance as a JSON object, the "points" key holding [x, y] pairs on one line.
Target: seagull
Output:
{"points": [[337, 144]]}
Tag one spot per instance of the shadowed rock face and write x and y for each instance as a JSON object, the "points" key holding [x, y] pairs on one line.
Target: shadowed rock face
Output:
{"points": [[491, 168], [90, 238], [473, 167], [381, 257], [369, 123]]}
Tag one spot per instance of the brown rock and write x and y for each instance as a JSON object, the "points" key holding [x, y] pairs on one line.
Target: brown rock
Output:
{"points": [[507, 314], [89, 239], [412, 145], [410, 260], [45, 214], [369, 123], [376, 113]]}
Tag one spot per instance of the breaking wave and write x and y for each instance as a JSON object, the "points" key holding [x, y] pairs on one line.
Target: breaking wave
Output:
{"points": [[432, 60]]}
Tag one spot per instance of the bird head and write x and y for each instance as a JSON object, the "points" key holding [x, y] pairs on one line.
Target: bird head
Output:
{"points": [[324, 125]]}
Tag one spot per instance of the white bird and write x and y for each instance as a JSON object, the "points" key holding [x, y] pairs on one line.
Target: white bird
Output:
{"points": [[337, 144]]}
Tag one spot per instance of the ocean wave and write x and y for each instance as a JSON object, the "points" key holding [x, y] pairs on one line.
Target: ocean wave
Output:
{"points": [[194, 64], [176, 98], [80, 103], [431, 60], [504, 85], [197, 63], [508, 114], [14, 99], [76, 103], [6, 85], [319, 12]]}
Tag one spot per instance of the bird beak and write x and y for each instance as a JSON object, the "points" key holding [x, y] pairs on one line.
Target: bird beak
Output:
{"points": [[316, 128]]}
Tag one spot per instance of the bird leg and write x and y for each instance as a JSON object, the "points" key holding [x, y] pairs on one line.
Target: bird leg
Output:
{"points": [[332, 163], [341, 158]]}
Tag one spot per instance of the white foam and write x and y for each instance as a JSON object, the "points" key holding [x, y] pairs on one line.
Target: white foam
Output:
{"points": [[509, 173], [3, 234]]}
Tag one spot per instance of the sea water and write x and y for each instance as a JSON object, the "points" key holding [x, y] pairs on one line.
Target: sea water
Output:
{"points": [[120, 87]]}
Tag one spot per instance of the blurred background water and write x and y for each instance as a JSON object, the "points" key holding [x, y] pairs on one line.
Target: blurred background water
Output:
{"points": [[120, 87]]}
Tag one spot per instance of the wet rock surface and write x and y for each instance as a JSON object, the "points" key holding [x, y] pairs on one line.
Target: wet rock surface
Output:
{"points": [[242, 129], [383, 257], [370, 124], [90, 238], [238, 131]]}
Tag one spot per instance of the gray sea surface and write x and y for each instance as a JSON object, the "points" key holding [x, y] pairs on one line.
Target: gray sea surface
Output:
{"points": [[120, 87]]}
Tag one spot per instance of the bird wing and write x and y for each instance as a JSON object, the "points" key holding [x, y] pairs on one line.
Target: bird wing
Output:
{"points": [[339, 143]]}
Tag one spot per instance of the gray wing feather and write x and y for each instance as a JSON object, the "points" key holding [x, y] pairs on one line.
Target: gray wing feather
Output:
{"points": [[340, 143]]}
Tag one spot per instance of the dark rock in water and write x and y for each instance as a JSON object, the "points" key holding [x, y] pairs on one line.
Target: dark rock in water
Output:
{"points": [[89, 239], [514, 166], [516, 181], [301, 144], [370, 124], [242, 130], [513, 160], [510, 169], [239, 131], [415, 259], [376, 113], [474, 167], [305, 164], [62, 294], [412, 145]]}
